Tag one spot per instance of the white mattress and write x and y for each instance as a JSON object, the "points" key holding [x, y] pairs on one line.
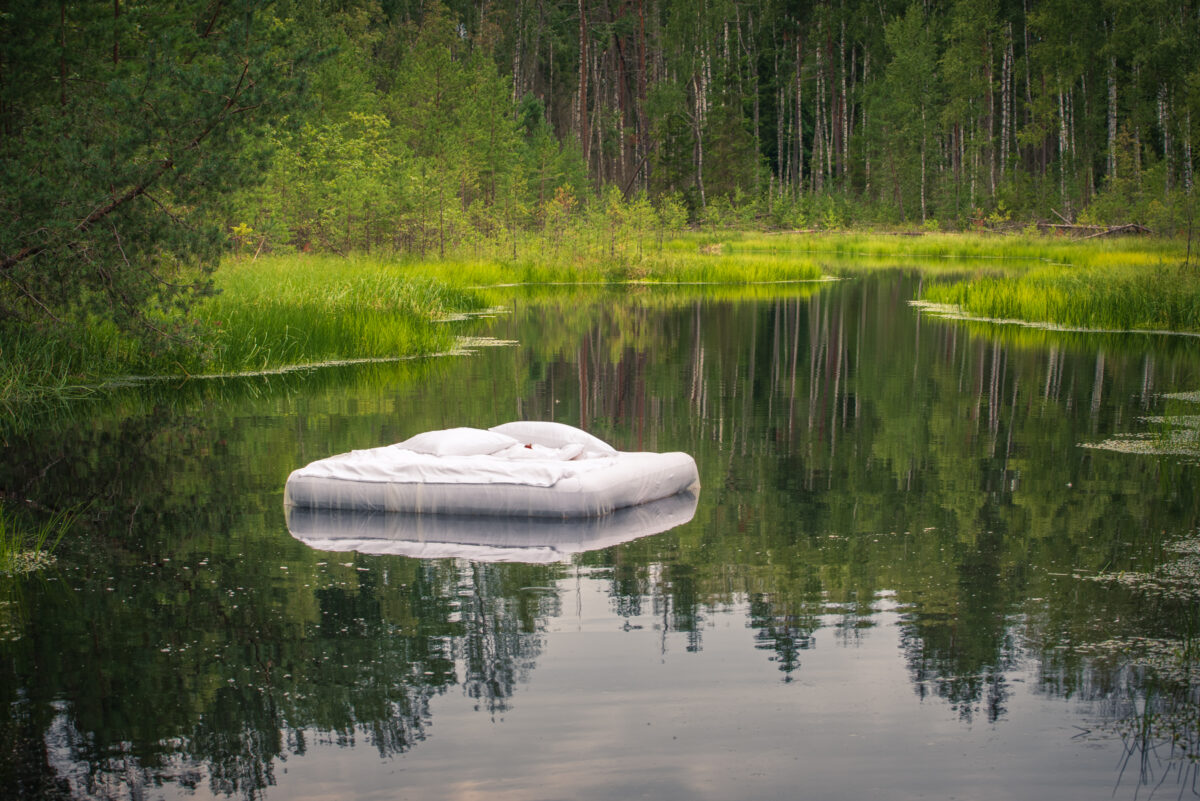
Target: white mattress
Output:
{"points": [[541, 470], [484, 539]]}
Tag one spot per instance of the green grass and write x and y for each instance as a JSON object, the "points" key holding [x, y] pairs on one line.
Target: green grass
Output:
{"points": [[287, 310], [23, 551], [1114, 298], [934, 252], [1121, 284], [671, 266], [302, 310], [293, 310], [41, 369]]}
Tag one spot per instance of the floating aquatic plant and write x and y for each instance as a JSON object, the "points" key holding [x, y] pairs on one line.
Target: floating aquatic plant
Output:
{"points": [[1177, 435], [1161, 717], [24, 551], [1177, 579]]}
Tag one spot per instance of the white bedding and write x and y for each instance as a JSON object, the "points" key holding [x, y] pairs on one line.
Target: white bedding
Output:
{"points": [[564, 473], [394, 463]]}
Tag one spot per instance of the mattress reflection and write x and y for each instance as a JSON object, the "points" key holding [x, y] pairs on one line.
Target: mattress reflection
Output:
{"points": [[484, 539]]}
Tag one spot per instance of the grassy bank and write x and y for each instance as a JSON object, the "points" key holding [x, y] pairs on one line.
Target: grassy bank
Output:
{"points": [[282, 310], [277, 312], [950, 252], [1108, 298], [1120, 284], [286, 310]]}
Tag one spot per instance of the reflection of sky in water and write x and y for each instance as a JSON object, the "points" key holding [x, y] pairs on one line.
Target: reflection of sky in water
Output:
{"points": [[614, 712]]}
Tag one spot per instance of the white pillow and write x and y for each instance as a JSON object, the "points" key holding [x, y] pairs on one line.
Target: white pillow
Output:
{"points": [[458, 442], [554, 435]]}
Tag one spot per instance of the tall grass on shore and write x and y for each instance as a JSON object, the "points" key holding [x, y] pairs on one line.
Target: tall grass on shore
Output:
{"points": [[287, 311], [685, 265], [24, 551], [37, 369], [932, 252], [1113, 298]]}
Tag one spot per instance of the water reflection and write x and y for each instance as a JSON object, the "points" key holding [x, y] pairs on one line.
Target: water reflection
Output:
{"points": [[484, 539], [869, 474]]}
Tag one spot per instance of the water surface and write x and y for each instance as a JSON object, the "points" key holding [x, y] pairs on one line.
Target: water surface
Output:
{"points": [[911, 572]]}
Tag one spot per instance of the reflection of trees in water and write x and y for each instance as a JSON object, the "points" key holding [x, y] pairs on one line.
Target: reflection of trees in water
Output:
{"points": [[1138, 673], [940, 460], [501, 624], [957, 638], [846, 447], [1156, 716], [367, 653], [787, 633], [970, 681]]}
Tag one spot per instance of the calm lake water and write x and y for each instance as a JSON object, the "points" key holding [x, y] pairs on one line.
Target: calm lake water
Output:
{"points": [[911, 572]]}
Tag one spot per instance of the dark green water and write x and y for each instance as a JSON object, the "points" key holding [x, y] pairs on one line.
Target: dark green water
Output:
{"points": [[888, 590]]}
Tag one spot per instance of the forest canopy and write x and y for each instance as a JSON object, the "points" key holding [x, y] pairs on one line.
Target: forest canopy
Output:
{"points": [[139, 139]]}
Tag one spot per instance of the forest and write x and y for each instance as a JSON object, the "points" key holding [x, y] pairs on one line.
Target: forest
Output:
{"points": [[143, 142]]}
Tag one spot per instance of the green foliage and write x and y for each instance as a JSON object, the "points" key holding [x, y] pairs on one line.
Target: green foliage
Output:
{"points": [[1107, 294], [333, 186], [282, 312], [123, 135], [141, 143]]}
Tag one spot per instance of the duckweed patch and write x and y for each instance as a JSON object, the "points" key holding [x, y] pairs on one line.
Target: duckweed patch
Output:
{"points": [[1177, 579]]}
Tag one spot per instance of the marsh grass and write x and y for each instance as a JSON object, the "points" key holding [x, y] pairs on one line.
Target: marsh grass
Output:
{"points": [[686, 264], [38, 370], [1122, 284], [287, 310], [928, 250], [284, 311], [1101, 297], [24, 551]]}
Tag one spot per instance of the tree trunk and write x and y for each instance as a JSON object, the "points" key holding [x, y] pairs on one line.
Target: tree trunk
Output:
{"points": [[1028, 78], [865, 134], [1006, 102], [582, 110], [843, 131], [923, 139], [1164, 125], [818, 167], [1062, 148], [798, 162], [1112, 119], [780, 111], [643, 119], [1187, 150], [701, 109]]}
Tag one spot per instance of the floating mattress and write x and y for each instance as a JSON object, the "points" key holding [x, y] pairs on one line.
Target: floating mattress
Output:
{"points": [[520, 469], [484, 539]]}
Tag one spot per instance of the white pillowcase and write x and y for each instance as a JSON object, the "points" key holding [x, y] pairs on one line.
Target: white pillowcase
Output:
{"points": [[458, 442], [554, 435]]}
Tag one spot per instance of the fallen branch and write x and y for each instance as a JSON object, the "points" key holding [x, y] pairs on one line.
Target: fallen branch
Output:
{"points": [[1128, 228]]}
